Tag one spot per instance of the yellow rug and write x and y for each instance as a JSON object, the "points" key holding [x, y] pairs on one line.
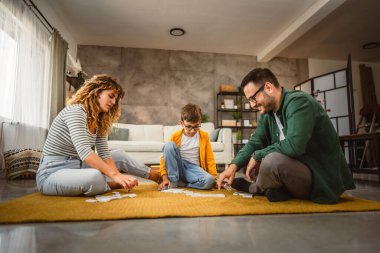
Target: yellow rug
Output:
{"points": [[150, 203]]}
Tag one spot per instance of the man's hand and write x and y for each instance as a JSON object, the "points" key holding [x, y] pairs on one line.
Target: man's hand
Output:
{"points": [[165, 182], [228, 174], [252, 169], [126, 181]]}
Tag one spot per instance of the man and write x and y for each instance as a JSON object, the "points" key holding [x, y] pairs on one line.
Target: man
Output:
{"points": [[294, 151]]}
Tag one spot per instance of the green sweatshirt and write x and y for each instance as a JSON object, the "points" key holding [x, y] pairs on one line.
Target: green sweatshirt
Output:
{"points": [[310, 138]]}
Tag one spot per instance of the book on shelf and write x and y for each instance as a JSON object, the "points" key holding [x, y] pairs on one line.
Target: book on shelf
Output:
{"points": [[228, 122]]}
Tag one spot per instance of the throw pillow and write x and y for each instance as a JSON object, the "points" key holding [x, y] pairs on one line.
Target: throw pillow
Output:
{"points": [[119, 134], [214, 135], [22, 163]]}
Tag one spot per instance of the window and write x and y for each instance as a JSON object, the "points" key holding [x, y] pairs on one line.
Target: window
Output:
{"points": [[24, 65], [8, 53]]}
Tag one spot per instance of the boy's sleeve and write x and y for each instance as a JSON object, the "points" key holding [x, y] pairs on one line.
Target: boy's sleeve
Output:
{"points": [[210, 160], [162, 166]]}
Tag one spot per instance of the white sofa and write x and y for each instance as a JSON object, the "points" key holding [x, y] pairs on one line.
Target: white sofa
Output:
{"points": [[145, 142]]}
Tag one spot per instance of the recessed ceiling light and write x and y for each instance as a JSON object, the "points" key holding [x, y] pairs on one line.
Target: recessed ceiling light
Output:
{"points": [[371, 45], [177, 31]]}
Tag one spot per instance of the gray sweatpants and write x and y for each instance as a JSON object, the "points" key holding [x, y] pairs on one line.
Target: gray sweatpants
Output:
{"points": [[278, 170], [65, 176]]}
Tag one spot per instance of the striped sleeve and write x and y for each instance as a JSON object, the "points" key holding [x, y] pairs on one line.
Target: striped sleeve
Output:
{"points": [[75, 119], [102, 147]]}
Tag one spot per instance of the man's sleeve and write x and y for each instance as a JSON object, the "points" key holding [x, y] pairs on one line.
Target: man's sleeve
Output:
{"points": [[257, 141]]}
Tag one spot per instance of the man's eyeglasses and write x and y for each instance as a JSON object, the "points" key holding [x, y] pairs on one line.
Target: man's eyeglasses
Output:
{"points": [[189, 128], [253, 97]]}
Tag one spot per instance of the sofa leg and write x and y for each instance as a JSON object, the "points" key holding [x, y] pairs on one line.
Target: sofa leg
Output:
{"points": [[221, 167]]}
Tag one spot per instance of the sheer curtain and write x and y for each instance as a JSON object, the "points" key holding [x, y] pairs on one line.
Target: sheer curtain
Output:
{"points": [[25, 78], [24, 62]]}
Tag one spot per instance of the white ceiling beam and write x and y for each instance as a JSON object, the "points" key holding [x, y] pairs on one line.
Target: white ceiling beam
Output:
{"points": [[318, 11]]}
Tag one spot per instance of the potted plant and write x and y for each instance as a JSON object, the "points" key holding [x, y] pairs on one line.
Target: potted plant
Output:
{"points": [[238, 136], [237, 116], [204, 118]]}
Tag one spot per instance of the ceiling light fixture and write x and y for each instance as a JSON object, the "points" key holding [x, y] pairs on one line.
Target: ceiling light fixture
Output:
{"points": [[177, 31], [371, 45]]}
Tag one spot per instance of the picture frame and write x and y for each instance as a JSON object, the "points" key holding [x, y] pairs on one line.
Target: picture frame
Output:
{"points": [[229, 103]]}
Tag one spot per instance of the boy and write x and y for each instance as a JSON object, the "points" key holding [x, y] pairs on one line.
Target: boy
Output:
{"points": [[188, 160]]}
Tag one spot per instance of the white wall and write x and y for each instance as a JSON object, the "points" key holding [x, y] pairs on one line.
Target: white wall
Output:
{"points": [[318, 67], [55, 21]]}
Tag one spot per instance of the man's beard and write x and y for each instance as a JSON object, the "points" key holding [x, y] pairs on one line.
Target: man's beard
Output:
{"points": [[268, 104]]}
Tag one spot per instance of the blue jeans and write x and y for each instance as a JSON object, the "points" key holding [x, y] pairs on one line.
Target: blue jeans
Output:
{"points": [[67, 176], [181, 172]]}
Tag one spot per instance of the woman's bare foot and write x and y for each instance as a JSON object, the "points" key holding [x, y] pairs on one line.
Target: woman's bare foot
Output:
{"points": [[114, 185]]}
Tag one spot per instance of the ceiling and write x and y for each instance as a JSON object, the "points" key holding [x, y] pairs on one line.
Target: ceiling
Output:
{"points": [[322, 29]]}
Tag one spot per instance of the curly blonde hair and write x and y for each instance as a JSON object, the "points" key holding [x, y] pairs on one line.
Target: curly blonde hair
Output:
{"points": [[87, 96]]}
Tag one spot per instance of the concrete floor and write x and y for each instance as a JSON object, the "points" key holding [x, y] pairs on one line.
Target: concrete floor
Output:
{"points": [[337, 232]]}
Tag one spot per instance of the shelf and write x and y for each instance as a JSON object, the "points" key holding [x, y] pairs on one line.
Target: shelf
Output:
{"points": [[229, 93], [228, 110], [249, 110], [227, 114], [237, 110], [235, 127]]}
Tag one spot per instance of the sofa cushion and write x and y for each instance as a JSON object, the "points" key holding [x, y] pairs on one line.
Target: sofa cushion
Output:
{"points": [[143, 132], [169, 130], [120, 134], [133, 146], [208, 127], [217, 146], [214, 135]]}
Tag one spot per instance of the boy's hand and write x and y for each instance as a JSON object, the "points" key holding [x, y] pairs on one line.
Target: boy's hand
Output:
{"points": [[165, 182], [228, 174]]}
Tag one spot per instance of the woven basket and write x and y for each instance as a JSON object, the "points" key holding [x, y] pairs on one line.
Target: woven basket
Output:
{"points": [[228, 88]]}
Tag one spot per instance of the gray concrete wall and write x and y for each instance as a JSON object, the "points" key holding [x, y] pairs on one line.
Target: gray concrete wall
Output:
{"points": [[159, 82]]}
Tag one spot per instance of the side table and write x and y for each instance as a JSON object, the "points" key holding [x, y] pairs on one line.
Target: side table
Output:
{"points": [[355, 145]]}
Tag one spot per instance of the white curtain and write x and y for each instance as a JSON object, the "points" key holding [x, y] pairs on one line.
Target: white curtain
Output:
{"points": [[24, 65], [58, 51], [24, 70]]}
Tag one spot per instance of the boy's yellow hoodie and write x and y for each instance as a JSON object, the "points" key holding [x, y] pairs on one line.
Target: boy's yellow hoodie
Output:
{"points": [[206, 156]]}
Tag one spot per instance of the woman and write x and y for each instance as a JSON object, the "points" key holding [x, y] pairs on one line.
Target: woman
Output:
{"points": [[69, 165]]}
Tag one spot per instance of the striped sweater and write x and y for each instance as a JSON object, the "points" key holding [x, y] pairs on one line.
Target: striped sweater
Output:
{"points": [[70, 136]]}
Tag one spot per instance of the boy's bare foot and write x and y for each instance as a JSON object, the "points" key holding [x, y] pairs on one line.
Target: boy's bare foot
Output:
{"points": [[155, 175]]}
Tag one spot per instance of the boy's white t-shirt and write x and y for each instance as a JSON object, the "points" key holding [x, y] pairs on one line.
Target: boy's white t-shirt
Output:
{"points": [[189, 148]]}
